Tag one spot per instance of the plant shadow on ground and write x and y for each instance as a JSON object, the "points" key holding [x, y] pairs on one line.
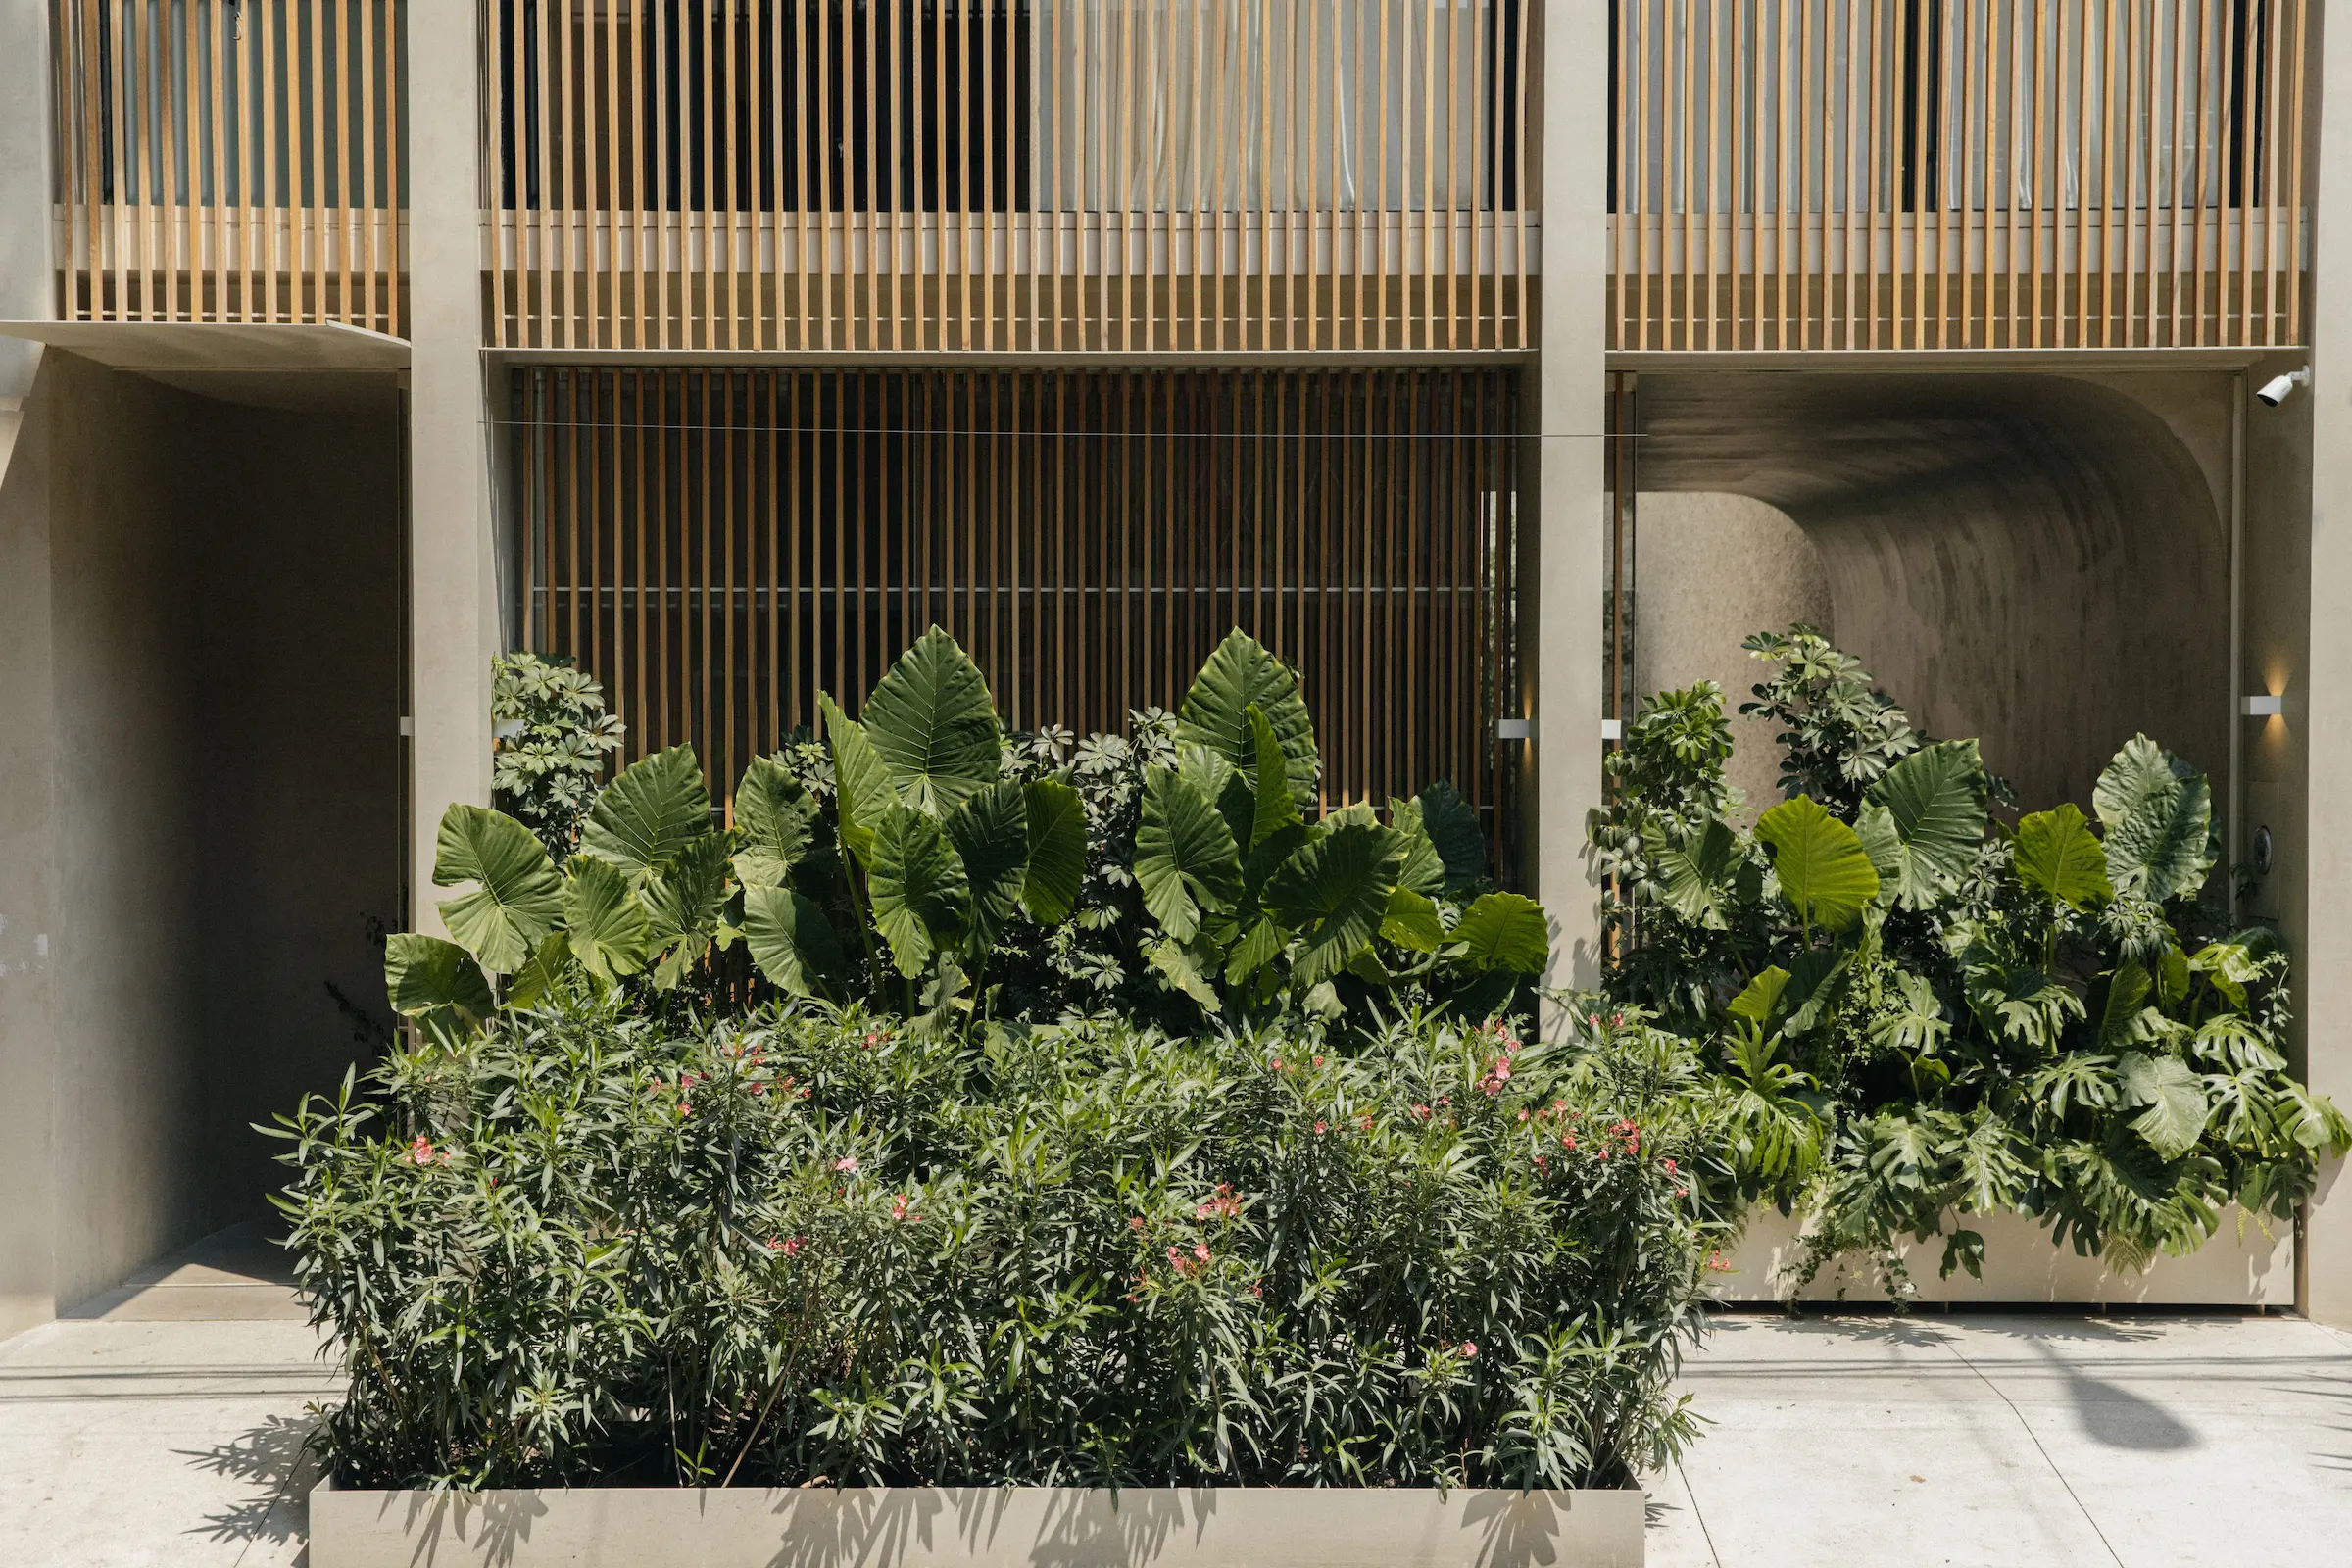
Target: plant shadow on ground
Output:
{"points": [[271, 1460]]}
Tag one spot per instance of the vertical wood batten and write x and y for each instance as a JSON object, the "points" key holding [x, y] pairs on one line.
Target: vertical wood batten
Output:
{"points": [[1089, 535]]}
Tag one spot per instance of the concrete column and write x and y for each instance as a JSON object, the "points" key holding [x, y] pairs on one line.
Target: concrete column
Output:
{"points": [[453, 589], [2323, 709], [1571, 383]]}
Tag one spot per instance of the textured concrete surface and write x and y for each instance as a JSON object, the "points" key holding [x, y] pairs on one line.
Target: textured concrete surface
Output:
{"points": [[2021, 1442], [163, 1423]]}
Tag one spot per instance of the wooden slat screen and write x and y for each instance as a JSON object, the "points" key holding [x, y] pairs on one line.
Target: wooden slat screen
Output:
{"points": [[716, 545], [1128, 175], [1959, 174], [230, 161]]}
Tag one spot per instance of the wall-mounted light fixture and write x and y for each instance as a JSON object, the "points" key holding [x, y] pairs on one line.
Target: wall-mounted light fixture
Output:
{"points": [[1514, 729], [2267, 705], [1612, 729]]}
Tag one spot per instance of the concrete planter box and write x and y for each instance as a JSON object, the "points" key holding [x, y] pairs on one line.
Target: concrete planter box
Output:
{"points": [[2023, 1267], [1014, 1526]]}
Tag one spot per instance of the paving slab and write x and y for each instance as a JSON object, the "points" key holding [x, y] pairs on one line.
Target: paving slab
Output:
{"points": [[2013, 1441], [162, 1424]]}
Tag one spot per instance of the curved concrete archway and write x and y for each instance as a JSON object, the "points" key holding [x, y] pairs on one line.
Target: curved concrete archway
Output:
{"points": [[2032, 560]]}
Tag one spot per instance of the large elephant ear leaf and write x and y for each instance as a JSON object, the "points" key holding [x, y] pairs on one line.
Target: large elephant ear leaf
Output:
{"points": [[2059, 854], [519, 898], [1696, 874], [922, 900], [1215, 713], [2173, 1097], [688, 895], [1272, 806], [1452, 826], [934, 725], [776, 819], [1057, 868], [790, 939], [647, 814], [1760, 998], [1824, 872], [1424, 868], [2157, 811], [435, 982], [1504, 931], [1936, 797], [606, 926], [862, 786], [1411, 920], [1335, 889], [1186, 861], [991, 833]]}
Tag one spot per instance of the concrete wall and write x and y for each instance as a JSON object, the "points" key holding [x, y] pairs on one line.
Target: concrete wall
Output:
{"points": [[2035, 561], [197, 802], [1712, 569]]}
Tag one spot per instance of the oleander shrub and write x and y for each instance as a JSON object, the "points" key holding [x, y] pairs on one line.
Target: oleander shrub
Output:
{"points": [[1916, 1006], [585, 1244]]}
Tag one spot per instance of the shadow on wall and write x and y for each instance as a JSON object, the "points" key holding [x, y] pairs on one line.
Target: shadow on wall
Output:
{"points": [[2031, 560]]}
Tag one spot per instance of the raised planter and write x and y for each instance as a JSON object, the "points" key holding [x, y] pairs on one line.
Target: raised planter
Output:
{"points": [[2023, 1266], [976, 1527]]}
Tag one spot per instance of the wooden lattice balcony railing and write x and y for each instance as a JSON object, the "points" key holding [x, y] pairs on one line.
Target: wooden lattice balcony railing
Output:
{"points": [[1009, 175], [230, 161], [1960, 174]]}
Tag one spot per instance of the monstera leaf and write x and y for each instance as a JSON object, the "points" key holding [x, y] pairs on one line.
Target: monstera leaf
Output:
{"points": [[790, 939], [1334, 891], [647, 814], [2157, 813], [1936, 797], [1186, 862], [922, 898], [775, 818], [435, 982], [1057, 868], [991, 833], [862, 786], [519, 898], [1823, 871], [2175, 1098], [2057, 853], [604, 926], [1504, 931], [933, 726], [1215, 713]]}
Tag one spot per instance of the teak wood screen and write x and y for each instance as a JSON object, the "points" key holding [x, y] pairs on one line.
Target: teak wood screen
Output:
{"points": [[717, 545], [1959, 174], [1123, 175], [230, 161]]}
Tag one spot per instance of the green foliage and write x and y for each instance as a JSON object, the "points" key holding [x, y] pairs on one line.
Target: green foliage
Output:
{"points": [[550, 738], [1921, 1012], [811, 1246], [920, 858]]}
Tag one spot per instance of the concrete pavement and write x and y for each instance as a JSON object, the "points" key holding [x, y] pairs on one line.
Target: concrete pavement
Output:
{"points": [[162, 1423], [2014, 1440]]}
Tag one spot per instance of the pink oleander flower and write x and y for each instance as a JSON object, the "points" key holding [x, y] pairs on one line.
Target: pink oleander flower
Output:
{"points": [[421, 1151], [1321, 1127], [792, 1247], [1669, 1166], [1201, 1251], [1318, 1062], [1469, 1350], [848, 1162], [1421, 1113], [1136, 1224], [1275, 1066], [898, 1209], [1522, 1115], [1567, 1140]]}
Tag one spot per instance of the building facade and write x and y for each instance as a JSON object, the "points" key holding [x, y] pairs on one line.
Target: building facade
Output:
{"points": [[724, 348]]}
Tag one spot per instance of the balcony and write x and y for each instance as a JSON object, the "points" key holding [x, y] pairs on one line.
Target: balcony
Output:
{"points": [[1930, 174], [1010, 175], [221, 162]]}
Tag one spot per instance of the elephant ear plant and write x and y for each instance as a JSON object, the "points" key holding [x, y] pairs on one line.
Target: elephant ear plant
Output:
{"points": [[918, 853], [1922, 1014]]}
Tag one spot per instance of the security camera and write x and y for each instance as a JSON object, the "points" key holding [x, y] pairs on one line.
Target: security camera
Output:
{"points": [[2278, 388]]}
